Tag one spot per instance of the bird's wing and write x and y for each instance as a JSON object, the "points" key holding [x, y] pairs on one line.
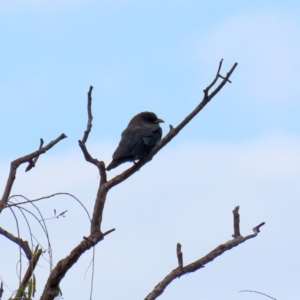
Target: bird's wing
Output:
{"points": [[131, 136], [136, 141], [151, 139]]}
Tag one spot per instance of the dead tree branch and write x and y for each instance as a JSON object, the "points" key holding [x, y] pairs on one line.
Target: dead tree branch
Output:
{"points": [[200, 263], [179, 256], [23, 244], [90, 117], [174, 131], [30, 201], [16, 163], [32, 257], [51, 289], [33, 161], [52, 286], [236, 222]]}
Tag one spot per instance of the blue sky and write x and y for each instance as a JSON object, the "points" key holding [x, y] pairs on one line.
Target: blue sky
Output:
{"points": [[243, 148]]}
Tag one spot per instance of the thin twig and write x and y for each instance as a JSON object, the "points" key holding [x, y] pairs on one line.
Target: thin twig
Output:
{"points": [[46, 197], [28, 274], [90, 117], [32, 163], [236, 222], [108, 231], [17, 240], [28, 225], [41, 221], [20, 254], [206, 90], [249, 291], [179, 255], [44, 228], [256, 229], [93, 274]]}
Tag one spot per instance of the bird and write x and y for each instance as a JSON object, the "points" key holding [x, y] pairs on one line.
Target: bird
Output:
{"points": [[140, 136]]}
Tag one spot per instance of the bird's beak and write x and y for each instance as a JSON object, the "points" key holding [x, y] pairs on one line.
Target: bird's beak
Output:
{"points": [[159, 121]]}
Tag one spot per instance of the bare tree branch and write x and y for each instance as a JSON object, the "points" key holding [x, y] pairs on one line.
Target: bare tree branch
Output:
{"points": [[1, 289], [23, 244], [16, 163], [174, 131], [105, 186], [33, 161], [99, 164], [200, 263], [51, 289], [102, 190], [32, 257], [236, 222], [256, 229], [179, 256]]}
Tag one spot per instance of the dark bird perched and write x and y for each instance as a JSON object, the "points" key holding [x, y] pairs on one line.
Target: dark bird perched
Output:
{"points": [[140, 136]]}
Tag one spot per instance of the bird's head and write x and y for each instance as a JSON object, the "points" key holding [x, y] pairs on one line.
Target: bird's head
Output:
{"points": [[146, 116]]}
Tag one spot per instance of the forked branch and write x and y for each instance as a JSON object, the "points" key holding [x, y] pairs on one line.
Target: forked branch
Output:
{"points": [[200, 263], [32, 257], [21, 243], [51, 289], [31, 159], [175, 130], [105, 185], [52, 286]]}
